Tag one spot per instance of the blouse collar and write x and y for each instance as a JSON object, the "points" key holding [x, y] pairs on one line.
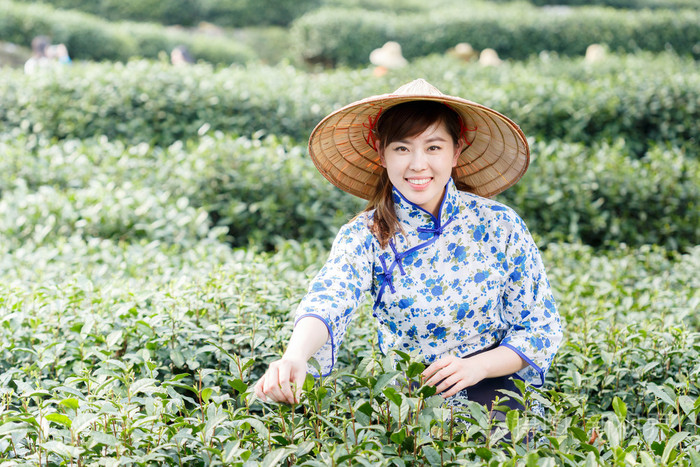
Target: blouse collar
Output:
{"points": [[412, 216]]}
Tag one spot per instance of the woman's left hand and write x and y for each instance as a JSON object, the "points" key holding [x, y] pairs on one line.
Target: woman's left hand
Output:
{"points": [[451, 374]]}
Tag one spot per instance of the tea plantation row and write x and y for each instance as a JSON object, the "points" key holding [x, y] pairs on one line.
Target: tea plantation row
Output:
{"points": [[90, 37], [639, 98], [344, 36], [230, 13], [344, 33], [260, 191], [144, 352]]}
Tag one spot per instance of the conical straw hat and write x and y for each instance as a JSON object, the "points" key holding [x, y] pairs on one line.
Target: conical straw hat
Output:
{"points": [[388, 56], [495, 157]]}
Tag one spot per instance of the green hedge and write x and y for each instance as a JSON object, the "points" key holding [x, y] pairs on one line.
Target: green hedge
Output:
{"points": [[347, 36], [263, 191], [257, 192], [622, 4], [232, 13], [105, 342], [89, 37], [602, 195], [639, 98]]}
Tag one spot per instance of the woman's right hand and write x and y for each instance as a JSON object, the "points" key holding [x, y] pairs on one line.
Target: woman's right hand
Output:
{"points": [[283, 381]]}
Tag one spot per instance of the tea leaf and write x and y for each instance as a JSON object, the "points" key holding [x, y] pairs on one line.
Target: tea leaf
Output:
{"points": [[672, 443], [59, 418]]}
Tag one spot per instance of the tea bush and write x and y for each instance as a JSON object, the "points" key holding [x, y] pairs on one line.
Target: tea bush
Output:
{"points": [[140, 353], [231, 13], [89, 37], [603, 195], [629, 4], [260, 191], [342, 36], [639, 98]]}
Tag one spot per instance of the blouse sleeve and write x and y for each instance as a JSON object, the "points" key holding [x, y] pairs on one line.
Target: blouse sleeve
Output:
{"points": [[528, 307], [338, 289]]}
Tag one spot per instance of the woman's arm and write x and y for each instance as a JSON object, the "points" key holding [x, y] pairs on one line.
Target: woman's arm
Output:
{"points": [[283, 380], [454, 374]]}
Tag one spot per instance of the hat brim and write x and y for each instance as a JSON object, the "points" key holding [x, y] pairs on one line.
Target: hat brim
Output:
{"points": [[495, 157]]}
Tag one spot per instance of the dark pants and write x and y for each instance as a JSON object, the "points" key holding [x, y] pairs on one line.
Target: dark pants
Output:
{"points": [[486, 390]]}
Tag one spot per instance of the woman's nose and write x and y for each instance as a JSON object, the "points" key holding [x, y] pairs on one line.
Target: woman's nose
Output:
{"points": [[419, 161]]}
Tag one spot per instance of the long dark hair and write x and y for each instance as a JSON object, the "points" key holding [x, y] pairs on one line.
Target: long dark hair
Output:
{"points": [[404, 120]]}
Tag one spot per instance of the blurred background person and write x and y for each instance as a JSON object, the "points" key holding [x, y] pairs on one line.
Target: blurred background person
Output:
{"points": [[59, 53], [180, 55], [39, 58]]}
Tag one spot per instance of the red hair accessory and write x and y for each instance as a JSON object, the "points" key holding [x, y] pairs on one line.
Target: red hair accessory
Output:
{"points": [[371, 138], [463, 131], [462, 127]]}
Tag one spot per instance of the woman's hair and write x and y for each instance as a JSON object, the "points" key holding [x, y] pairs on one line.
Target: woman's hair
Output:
{"points": [[404, 120]]}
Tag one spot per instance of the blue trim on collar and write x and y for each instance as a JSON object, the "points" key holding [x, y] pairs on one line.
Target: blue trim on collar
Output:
{"points": [[387, 270], [404, 207]]}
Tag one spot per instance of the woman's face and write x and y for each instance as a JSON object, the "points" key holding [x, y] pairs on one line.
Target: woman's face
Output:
{"points": [[420, 166]]}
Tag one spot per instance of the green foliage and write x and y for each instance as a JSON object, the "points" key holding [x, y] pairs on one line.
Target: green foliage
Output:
{"points": [[629, 4], [232, 13], [638, 98], [256, 191], [242, 13], [89, 37], [603, 195], [248, 191], [143, 353], [342, 36]]}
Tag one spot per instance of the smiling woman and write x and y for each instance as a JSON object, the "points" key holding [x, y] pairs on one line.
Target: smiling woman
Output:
{"points": [[419, 158], [455, 277]]}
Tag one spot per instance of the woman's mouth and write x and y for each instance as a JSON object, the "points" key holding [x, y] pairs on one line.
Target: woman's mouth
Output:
{"points": [[418, 183]]}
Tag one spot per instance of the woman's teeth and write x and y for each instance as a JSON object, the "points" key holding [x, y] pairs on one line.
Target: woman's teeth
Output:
{"points": [[418, 181]]}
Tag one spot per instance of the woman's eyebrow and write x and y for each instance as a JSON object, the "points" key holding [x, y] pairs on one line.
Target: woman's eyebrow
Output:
{"points": [[429, 140], [435, 138]]}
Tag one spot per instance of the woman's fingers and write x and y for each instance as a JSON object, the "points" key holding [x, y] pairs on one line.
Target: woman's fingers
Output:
{"points": [[438, 371], [258, 389], [435, 367], [285, 386], [449, 375], [454, 389], [279, 383]]}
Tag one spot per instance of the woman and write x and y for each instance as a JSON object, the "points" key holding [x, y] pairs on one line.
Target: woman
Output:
{"points": [[455, 277]]}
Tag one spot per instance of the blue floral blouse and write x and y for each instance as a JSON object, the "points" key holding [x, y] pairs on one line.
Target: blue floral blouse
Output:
{"points": [[454, 285]]}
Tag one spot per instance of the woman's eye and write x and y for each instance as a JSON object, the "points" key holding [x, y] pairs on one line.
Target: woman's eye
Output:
{"points": [[434, 148]]}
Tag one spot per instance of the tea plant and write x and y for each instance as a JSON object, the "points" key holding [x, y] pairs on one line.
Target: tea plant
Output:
{"points": [[118, 353], [639, 98]]}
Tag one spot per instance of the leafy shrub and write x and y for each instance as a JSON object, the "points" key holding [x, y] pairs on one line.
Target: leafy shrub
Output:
{"points": [[619, 307], [242, 13], [639, 98], [89, 37], [235, 13], [347, 36], [629, 4], [262, 191], [152, 359], [256, 191], [603, 196]]}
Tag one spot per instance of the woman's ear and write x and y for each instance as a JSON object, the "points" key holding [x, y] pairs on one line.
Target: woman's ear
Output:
{"points": [[382, 161], [458, 151]]}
